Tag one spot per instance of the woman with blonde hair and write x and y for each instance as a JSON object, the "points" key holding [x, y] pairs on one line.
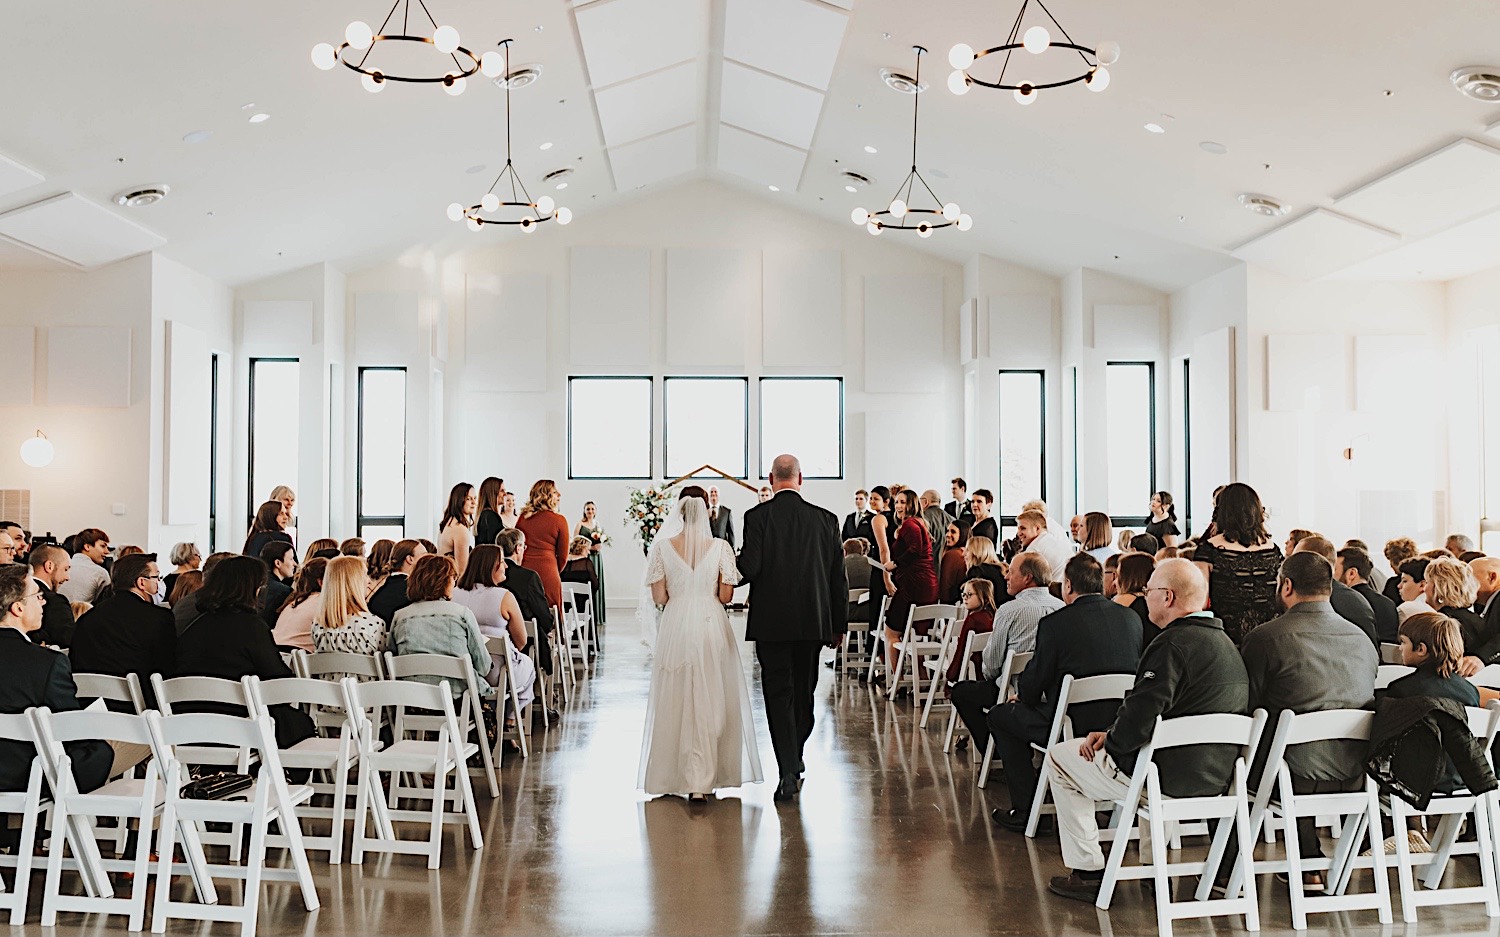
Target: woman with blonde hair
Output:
{"points": [[547, 538], [320, 545], [1452, 589], [342, 621], [984, 563], [1098, 536]]}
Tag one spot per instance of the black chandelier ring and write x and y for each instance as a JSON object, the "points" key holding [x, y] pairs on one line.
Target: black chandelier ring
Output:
{"points": [[536, 218], [940, 220], [465, 71], [1023, 87]]}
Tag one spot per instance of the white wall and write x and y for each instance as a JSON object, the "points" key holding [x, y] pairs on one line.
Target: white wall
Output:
{"points": [[1472, 383]]}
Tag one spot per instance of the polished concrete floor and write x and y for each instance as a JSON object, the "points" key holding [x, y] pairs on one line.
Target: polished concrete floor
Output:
{"points": [[890, 837]]}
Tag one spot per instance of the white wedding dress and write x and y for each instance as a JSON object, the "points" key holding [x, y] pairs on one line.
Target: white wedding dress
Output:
{"points": [[698, 734]]}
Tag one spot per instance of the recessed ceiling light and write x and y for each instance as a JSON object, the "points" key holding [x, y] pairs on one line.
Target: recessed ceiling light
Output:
{"points": [[871, 150], [260, 118], [547, 145], [774, 188], [475, 170], [850, 189], [561, 186], [246, 107], [197, 136], [1156, 128], [1263, 204], [142, 195], [1217, 149], [1480, 82]]}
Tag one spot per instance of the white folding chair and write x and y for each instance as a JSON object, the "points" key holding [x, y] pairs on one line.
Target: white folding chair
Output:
{"points": [[269, 799], [1390, 653], [458, 672], [108, 687], [1233, 806], [186, 691], [1010, 672], [1075, 691], [562, 653], [1360, 808], [580, 597], [1390, 673], [510, 693], [28, 805], [877, 639], [856, 633], [937, 664], [334, 666], [1488, 677], [914, 648], [447, 754], [973, 645], [543, 678]]}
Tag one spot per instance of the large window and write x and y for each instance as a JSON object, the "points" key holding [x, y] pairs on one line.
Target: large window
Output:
{"points": [[707, 424], [380, 481], [609, 427], [1023, 441], [803, 416], [1186, 501], [213, 453], [274, 427], [1130, 416]]}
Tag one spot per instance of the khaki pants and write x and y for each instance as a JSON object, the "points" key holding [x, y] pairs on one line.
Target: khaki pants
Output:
{"points": [[1076, 787], [127, 756]]}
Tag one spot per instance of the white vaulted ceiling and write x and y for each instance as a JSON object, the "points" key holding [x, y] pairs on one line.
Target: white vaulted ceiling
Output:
{"points": [[1340, 108]]}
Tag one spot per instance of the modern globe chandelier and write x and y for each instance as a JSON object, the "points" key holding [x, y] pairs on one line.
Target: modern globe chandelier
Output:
{"points": [[903, 214], [519, 209], [360, 43], [1036, 40]]}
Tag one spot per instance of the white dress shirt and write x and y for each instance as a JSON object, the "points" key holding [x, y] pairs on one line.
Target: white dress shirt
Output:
{"points": [[1055, 548]]}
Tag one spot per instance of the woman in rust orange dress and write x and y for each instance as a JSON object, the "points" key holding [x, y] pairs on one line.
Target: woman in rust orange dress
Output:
{"points": [[546, 538]]}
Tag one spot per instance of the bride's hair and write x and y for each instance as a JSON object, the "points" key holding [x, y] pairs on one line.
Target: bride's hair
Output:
{"points": [[693, 491]]}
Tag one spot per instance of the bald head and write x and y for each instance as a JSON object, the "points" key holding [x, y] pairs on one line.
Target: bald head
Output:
{"points": [[1176, 589], [1487, 571], [786, 472], [930, 498]]}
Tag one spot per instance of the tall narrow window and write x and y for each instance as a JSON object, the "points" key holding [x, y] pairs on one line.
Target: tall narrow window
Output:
{"points": [[805, 417], [707, 423], [1130, 414], [609, 427], [1187, 448], [1073, 409], [213, 452], [1023, 441], [274, 426], [380, 475]]}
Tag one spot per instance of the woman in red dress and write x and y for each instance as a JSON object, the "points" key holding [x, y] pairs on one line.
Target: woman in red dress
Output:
{"points": [[546, 538], [910, 572]]}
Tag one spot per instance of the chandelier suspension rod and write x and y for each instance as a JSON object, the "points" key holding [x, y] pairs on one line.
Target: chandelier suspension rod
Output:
{"points": [[916, 100], [383, 23], [434, 23], [1061, 29], [1015, 30]]}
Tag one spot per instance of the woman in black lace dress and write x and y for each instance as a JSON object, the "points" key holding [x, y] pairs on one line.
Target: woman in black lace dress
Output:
{"points": [[1241, 562]]}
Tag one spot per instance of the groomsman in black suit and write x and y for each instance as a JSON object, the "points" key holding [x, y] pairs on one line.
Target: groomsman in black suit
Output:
{"points": [[959, 506], [794, 563], [859, 517], [720, 519]]}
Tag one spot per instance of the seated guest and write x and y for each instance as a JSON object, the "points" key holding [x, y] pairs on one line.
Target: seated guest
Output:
{"points": [[1412, 590], [1123, 540], [526, 585], [271, 520], [1487, 574], [294, 621], [435, 624], [1191, 668], [1377, 576], [50, 567], [1397, 552], [580, 565], [1098, 536], [390, 598], [1145, 543], [31, 675], [1296, 536], [1130, 590], [184, 557], [1353, 569], [379, 563], [1111, 576], [482, 592], [1433, 644], [185, 610], [1053, 545], [981, 504], [1016, 621], [281, 559], [1167, 553], [322, 548], [188, 582], [229, 639], [857, 570], [1452, 589], [982, 563], [342, 622], [953, 569], [127, 633], [354, 546], [978, 597], [1459, 544], [1348, 603], [87, 579], [1091, 636]]}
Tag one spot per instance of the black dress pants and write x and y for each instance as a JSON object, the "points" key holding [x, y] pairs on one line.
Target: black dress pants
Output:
{"points": [[1014, 726], [972, 699], [788, 676]]}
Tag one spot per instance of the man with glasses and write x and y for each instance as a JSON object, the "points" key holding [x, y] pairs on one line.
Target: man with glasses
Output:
{"points": [[8, 549], [89, 579], [127, 632], [19, 538]]}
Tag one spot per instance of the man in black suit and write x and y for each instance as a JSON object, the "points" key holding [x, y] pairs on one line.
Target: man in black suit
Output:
{"points": [[959, 506], [1350, 605], [127, 633], [526, 586], [858, 517], [720, 519], [49, 569], [1487, 606], [280, 558], [391, 598], [1089, 636], [1352, 568], [31, 675], [794, 562]]}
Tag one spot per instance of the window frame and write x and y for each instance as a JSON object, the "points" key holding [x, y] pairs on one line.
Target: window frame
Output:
{"points": [[251, 504], [1187, 448], [361, 519], [761, 428], [1128, 520], [666, 422], [650, 422], [1009, 520], [213, 451]]}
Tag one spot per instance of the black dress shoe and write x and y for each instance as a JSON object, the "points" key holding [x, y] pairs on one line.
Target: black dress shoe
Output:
{"points": [[1076, 887], [788, 788]]}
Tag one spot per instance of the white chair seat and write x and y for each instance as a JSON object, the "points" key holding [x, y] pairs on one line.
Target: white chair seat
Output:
{"points": [[316, 753], [413, 754]]}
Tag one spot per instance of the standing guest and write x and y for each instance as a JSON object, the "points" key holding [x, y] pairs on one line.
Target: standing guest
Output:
{"points": [[984, 525], [1452, 589], [31, 676], [435, 624], [1036, 537], [546, 537], [527, 588], [390, 598], [378, 566], [1352, 568], [1459, 544], [1088, 637], [589, 528], [1433, 644], [1098, 536], [1240, 562], [857, 571], [481, 591], [881, 529], [720, 518], [455, 538], [287, 497], [187, 583], [982, 563], [229, 640], [1487, 575], [953, 568], [1112, 576], [1130, 590], [294, 618], [184, 556], [488, 524], [959, 506], [858, 517], [127, 633], [763, 495], [1412, 585], [937, 521], [87, 579], [1163, 523], [324, 547], [910, 575], [1348, 603], [185, 610], [342, 622], [508, 513], [271, 520], [1397, 552], [978, 598], [281, 559], [354, 546], [50, 568]]}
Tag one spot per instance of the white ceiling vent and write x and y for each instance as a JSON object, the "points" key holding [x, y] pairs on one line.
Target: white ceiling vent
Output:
{"points": [[522, 76], [1480, 82], [1264, 204], [141, 196], [901, 83]]}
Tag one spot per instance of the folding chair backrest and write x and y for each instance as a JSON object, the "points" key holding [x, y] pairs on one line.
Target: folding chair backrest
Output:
{"points": [[379, 694], [1484, 723], [858, 595], [294, 691], [17, 727], [1102, 687], [456, 669], [363, 666], [1390, 673], [578, 592], [194, 729], [1390, 653], [934, 613], [126, 689], [1328, 725], [1488, 677], [197, 690], [496, 645], [1208, 729], [84, 725], [977, 642], [1015, 662]]}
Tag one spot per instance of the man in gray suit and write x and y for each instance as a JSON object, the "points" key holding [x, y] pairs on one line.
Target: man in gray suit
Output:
{"points": [[720, 518]]}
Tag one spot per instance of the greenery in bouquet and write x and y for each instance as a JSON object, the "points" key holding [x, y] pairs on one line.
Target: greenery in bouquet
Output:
{"points": [[648, 510]]}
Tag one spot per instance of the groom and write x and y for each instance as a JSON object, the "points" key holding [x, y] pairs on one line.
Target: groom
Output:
{"points": [[794, 562]]}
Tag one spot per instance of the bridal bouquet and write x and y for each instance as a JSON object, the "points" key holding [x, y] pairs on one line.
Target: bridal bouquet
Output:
{"points": [[648, 510]]}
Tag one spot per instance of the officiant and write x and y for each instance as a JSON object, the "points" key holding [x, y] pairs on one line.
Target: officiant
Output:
{"points": [[720, 518]]}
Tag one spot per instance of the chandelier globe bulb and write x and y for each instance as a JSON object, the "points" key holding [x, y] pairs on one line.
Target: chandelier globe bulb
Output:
{"points": [[958, 82], [454, 83], [874, 228], [455, 212], [898, 208], [961, 56], [323, 56], [373, 83], [965, 222], [563, 215], [1098, 79], [1108, 53], [359, 35], [545, 204], [1036, 40], [1025, 95], [859, 216], [474, 224], [492, 64], [446, 39], [951, 211], [490, 201]]}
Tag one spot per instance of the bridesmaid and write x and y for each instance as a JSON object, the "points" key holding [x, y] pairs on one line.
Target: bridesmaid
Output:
{"points": [[454, 537], [489, 524], [589, 528], [910, 571], [547, 538], [508, 513]]}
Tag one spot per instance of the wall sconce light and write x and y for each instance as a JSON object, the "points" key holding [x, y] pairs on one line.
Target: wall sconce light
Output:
{"points": [[37, 451]]}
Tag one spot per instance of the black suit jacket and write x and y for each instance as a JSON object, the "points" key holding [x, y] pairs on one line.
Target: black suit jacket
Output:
{"points": [[390, 598], [125, 634], [990, 528], [794, 562], [57, 618], [1353, 608], [1489, 638], [1387, 622], [850, 530], [275, 595], [526, 586], [721, 522], [31, 675], [1092, 636], [232, 644], [956, 510]]}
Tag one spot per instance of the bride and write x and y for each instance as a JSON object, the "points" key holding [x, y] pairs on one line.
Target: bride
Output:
{"points": [[699, 736]]}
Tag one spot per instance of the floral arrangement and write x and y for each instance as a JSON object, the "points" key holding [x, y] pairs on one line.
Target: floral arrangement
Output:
{"points": [[648, 510]]}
